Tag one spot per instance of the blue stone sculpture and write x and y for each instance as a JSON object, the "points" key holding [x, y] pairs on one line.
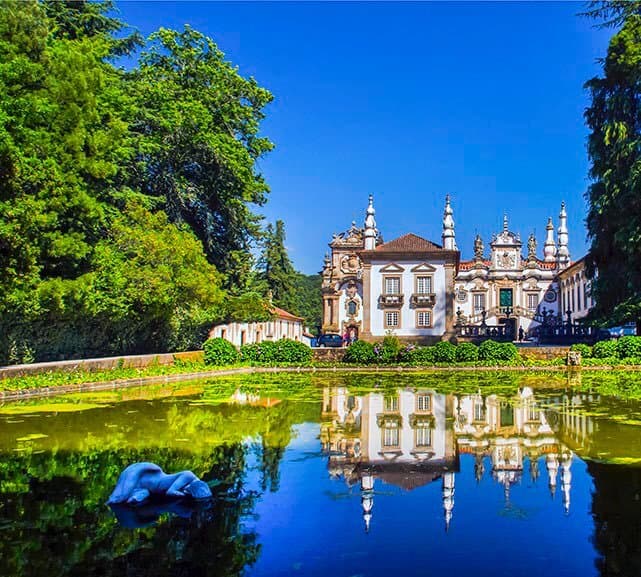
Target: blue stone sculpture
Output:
{"points": [[141, 481]]}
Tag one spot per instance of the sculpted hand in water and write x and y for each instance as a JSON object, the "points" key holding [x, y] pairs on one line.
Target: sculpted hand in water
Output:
{"points": [[138, 482]]}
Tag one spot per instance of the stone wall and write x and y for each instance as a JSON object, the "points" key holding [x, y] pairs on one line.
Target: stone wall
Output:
{"points": [[137, 361], [543, 353], [330, 355]]}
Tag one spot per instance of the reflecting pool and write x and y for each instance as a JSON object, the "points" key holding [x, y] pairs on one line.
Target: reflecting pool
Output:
{"points": [[354, 475]]}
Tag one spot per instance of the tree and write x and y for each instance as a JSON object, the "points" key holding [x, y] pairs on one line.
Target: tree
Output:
{"points": [[614, 149], [197, 120], [277, 271], [125, 197]]}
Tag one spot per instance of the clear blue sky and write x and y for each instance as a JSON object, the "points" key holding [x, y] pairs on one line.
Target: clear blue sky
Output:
{"points": [[411, 101]]}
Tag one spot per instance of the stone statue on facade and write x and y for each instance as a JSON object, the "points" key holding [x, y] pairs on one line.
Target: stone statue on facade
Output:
{"points": [[140, 481], [531, 247], [478, 248]]}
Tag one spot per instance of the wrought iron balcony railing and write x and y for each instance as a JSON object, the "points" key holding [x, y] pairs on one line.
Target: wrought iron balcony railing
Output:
{"points": [[423, 300], [391, 300]]}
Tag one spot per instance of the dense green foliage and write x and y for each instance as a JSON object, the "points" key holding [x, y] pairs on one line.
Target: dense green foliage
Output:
{"points": [[360, 353], [125, 196], [493, 351], [629, 347], [467, 353], [220, 352], [444, 352], [585, 350], [283, 351], [604, 349], [291, 290], [614, 148], [388, 350]]}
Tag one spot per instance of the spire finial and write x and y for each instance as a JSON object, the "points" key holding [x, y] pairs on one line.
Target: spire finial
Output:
{"points": [[505, 222], [448, 236], [370, 232]]}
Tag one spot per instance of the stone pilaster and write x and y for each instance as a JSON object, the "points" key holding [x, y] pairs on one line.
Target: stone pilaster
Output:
{"points": [[366, 332], [450, 321]]}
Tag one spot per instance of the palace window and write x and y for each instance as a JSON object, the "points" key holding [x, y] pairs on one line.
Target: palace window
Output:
{"points": [[390, 437], [392, 285], [479, 411], [392, 319], [479, 302], [423, 319], [423, 402], [424, 285], [423, 436], [532, 301], [390, 404]]}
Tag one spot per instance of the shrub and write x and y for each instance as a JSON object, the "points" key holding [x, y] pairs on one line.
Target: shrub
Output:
{"points": [[360, 352], [585, 350], [282, 351], [420, 356], [467, 353], [493, 351], [219, 352], [605, 349], [629, 347], [445, 352], [388, 351]]}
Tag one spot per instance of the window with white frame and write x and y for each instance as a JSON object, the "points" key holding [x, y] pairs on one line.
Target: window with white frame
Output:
{"points": [[392, 285], [391, 319], [532, 301], [479, 302], [424, 319], [424, 285], [390, 404], [423, 402], [479, 411], [390, 437], [423, 436]]}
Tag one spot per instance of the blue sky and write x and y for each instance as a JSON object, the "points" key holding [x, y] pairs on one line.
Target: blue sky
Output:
{"points": [[410, 101]]}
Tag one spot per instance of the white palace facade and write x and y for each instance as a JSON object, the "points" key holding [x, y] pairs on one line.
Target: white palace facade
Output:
{"points": [[422, 291]]}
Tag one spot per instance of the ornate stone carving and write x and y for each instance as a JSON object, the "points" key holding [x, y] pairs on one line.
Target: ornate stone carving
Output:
{"points": [[531, 247], [350, 263]]}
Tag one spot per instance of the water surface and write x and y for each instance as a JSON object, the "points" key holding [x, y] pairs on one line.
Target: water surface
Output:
{"points": [[343, 475]]}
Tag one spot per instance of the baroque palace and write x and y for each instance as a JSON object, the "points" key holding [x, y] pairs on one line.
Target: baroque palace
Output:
{"points": [[423, 292]]}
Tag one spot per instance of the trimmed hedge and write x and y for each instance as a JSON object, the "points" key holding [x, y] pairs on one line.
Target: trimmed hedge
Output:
{"points": [[445, 352], [360, 352], [629, 347], [419, 355], [467, 353], [493, 351], [605, 349], [282, 351], [219, 352], [585, 350]]}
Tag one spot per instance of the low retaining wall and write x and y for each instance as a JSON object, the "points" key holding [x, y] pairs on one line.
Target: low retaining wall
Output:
{"points": [[331, 355], [544, 353], [103, 364]]}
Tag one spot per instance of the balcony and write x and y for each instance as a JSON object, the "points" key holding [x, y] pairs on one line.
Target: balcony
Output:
{"points": [[391, 300], [422, 300]]}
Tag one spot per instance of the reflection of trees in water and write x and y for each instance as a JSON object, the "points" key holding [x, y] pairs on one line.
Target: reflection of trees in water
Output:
{"points": [[616, 509], [54, 521], [62, 527]]}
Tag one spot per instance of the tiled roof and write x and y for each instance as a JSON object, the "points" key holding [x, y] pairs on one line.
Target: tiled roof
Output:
{"points": [[469, 264], [283, 314], [408, 243]]}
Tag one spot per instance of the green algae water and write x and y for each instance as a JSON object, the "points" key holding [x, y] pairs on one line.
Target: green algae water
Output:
{"points": [[348, 475]]}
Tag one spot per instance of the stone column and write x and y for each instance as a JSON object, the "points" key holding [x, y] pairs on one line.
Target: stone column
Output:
{"points": [[366, 332], [450, 321]]}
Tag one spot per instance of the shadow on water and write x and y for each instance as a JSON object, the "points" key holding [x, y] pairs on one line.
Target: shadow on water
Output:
{"points": [[487, 461]]}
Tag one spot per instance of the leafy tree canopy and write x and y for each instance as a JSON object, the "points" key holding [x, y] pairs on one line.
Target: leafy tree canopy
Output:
{"points": [[614, 148]]}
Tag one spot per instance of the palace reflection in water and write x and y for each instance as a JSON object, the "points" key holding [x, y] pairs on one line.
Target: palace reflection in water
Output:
{"points": [[412, 437]]}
